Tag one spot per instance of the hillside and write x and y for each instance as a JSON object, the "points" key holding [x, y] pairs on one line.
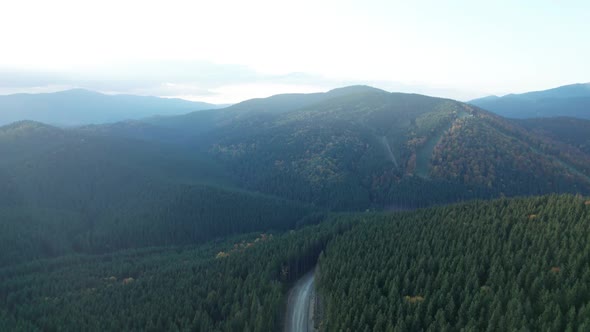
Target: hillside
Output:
{"points": [[76, 107], [376, 149], [360, 147], [569, 100], [65, 192], [198, 125], [575, 132]]}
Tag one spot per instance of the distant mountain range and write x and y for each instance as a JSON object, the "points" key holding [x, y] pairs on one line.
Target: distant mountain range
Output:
{"points": [[78, 106], [569, 100], [83, 107]]}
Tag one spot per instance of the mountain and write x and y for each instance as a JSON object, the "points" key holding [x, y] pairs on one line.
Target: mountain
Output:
{"points": [[569, 100], [289, 102], [75, 107], [573, 131], [87, 189], [361, 147], [377, 149], [197, 125]]}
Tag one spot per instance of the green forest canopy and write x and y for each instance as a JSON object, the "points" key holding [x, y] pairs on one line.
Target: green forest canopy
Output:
{"points": [[508, 264]]}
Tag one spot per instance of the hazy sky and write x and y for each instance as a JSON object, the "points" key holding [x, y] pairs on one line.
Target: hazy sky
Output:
{"points": [[226, 51]]}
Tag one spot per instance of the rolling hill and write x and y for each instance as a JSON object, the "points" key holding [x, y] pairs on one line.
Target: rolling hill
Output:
{"points": [[78, 106], [569, 101]]}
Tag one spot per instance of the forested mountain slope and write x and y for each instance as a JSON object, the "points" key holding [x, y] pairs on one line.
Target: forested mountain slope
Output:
{"points": [[573, 131], [64, 191], [360, 147], [198, 126], [373, 149]]}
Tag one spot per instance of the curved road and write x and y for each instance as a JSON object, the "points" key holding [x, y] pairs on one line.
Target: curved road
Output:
{"points": [[299, 305]]}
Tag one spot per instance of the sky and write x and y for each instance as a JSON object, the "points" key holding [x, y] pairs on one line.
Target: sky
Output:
{"points": [[226, 51]]}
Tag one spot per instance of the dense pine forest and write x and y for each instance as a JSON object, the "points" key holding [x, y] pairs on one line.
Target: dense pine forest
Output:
{"points": [[569, 130], [504, 265], [233, 285], [181, 216], [508, 264]]}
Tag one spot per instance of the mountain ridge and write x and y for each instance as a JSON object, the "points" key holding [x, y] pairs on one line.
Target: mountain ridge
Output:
{"points": [[81, 106], [569, 100], [352, 136]]}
